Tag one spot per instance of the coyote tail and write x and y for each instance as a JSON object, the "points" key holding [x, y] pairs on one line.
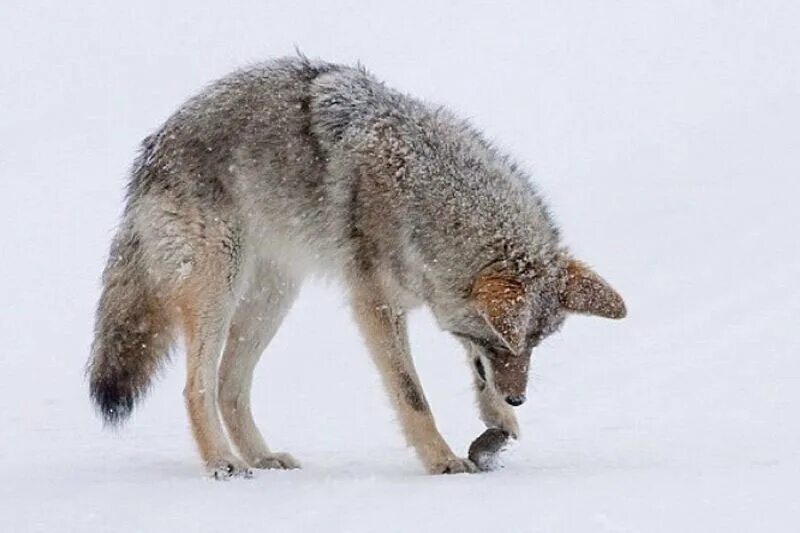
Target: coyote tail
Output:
{"points": [[132, 335]]}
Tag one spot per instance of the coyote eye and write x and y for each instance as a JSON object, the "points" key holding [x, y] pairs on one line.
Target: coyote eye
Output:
{"points": [[496, 352], [490, 347], [483, 343]]}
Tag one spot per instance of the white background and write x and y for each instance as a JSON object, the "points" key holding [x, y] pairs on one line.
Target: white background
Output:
{"points": [[664, 136]]}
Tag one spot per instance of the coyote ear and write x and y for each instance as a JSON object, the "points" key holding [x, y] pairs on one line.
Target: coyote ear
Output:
{"points": [[501, 301], [587, 293]]}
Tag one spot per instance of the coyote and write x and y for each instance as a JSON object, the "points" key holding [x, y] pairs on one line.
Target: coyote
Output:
{"points": [[296, 167]]}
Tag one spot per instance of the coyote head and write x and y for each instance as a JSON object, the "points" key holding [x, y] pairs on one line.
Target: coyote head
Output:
{"points": [[509, 314]]}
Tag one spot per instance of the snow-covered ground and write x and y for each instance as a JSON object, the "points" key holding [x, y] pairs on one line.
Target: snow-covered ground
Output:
{"points": [[666, 137]]}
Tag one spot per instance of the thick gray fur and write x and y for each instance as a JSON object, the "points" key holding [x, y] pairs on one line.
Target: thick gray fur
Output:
{"points": [[301, 167]]}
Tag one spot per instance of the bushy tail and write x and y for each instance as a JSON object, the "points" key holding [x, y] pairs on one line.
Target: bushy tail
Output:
{"points": [[132, 335]]}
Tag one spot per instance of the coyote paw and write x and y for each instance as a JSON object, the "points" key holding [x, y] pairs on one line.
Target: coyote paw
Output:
{"points": [[276, 461], [456, 465], [225, 468]]}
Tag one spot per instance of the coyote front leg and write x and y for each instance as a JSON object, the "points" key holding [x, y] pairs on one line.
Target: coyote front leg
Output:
{"points": [[383, 326], [494, 411]]}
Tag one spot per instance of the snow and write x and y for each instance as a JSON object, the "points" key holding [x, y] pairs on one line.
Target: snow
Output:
{"points": [[665, 138]]}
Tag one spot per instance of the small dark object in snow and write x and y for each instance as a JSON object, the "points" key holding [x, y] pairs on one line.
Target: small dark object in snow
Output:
{"points": [[485, 449]]}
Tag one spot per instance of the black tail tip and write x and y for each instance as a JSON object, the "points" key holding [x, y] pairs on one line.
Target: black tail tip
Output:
{"points": [[113, 402]]}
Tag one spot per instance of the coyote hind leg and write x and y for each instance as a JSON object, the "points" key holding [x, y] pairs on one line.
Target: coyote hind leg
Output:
{"points": [[206, 316], [265, 302]]}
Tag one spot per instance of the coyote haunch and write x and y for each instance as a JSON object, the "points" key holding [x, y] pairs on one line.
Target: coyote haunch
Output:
{"points": [[295, 167]]}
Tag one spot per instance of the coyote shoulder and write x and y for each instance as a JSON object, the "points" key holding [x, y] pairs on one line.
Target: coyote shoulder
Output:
{"points": [[295, 167]]}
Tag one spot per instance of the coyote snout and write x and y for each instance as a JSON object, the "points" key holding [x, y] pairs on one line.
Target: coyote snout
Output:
{"points": [[515, 401]]}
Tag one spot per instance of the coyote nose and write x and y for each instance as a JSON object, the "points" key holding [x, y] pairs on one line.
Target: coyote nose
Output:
{"points": [[515, 400]]}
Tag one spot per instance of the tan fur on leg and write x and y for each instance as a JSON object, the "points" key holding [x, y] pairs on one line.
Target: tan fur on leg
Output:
{"points": [[384, 330], [204, 337], [494, 411]]}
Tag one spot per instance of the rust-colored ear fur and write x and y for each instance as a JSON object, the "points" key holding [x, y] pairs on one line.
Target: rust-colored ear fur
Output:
{"points": [[586, 292], [502, 303]]}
